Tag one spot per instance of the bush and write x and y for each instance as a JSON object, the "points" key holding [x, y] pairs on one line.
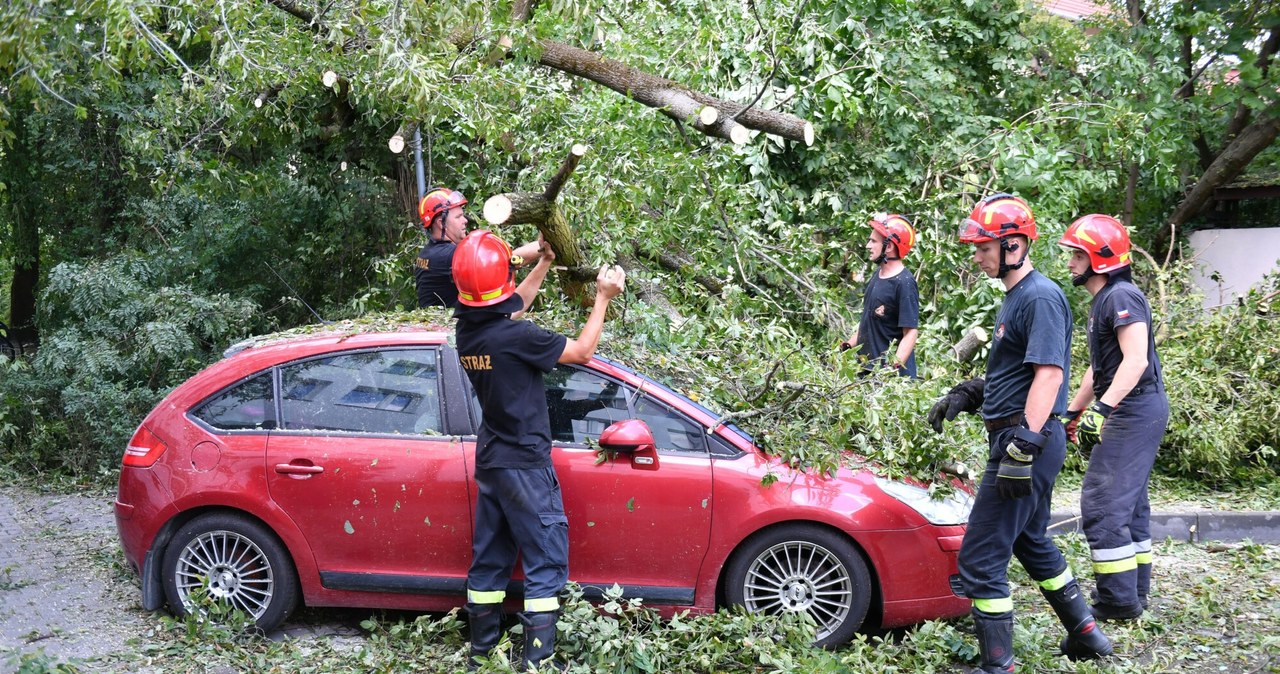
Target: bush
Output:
{"points": [[117, 336], [1222, 371]]}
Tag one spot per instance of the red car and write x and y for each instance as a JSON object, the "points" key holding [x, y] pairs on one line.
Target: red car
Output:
{"points": [[336, 470]]}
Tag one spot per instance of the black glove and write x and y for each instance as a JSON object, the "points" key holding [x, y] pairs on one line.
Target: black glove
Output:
{"points": [[1013, 479], [1089, 432], [963, 397], [1070, 421]]}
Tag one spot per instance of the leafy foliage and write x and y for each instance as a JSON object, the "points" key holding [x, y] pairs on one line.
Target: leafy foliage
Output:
{"points": [[119, 336], [1223, 377]]}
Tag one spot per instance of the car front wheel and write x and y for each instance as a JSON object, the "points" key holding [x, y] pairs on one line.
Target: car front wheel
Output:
{"points": [[232, 560], [803, 568]]}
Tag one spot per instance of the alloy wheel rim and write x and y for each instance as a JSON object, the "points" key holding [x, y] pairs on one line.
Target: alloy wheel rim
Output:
{"points": [[800, 576], [232, 567]]}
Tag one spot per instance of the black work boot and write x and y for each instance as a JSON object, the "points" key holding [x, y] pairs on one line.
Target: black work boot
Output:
{"points": [[1106, 612], [485, 621], [539, 638], [1144, 584], [995, 642], [1084, 640]]}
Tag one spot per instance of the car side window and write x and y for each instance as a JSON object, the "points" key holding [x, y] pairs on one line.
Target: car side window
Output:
{"points": [[582, 403], [389, 391], [672, 430], [249, 405]]}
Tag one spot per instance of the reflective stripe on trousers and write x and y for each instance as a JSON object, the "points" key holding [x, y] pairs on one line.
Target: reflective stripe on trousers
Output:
{"points": [[519, 511], [1000, 529], [1115, 512]]}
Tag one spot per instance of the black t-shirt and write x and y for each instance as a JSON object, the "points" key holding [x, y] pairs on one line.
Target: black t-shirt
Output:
{"points": [[889, 305], [1119, 303], [1033, 327], [505, 361], [433, 272]]}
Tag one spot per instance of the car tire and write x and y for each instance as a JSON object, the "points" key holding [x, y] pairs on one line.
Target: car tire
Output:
{"points": [[242, 563], [801, 567]]}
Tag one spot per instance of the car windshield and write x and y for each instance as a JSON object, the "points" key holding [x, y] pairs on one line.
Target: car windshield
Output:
{"points": [[651, 383]]}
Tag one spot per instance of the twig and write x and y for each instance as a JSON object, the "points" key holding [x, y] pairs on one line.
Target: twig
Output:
{"points": [[44, 86], [160, 44]]}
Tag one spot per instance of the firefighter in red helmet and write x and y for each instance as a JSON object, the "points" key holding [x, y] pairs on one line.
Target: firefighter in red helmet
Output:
{"points": [[445, 223], [1024, 391], [1126, 421], [519, 510], [891, 300]]}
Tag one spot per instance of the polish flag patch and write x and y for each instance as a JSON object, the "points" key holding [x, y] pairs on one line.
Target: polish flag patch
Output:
{"points": [[1123, 313]]}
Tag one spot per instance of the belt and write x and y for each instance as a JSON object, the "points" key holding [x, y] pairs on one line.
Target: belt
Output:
{"points": [[1002, 422]]}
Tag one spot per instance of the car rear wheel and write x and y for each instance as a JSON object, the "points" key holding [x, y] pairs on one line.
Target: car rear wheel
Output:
{"points": [[232, 560], [803, 568]]}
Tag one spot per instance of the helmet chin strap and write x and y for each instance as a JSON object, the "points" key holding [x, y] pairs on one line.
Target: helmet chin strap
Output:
{"points": [[884, 254], [1081, 279], [1005, 268]]}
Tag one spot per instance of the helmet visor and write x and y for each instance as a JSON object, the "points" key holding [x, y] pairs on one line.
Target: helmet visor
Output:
{"points": [[973, 232]]}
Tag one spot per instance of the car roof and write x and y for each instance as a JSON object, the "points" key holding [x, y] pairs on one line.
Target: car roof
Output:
{"points": [[327, 340]]}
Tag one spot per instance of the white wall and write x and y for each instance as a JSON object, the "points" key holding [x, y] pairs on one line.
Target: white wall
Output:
{"points": [[1241, 257]]}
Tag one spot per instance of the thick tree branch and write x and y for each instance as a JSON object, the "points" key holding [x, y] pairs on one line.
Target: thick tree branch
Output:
{"points": [[566, 169], [646, 88], [291, 8], [1229, 164], [539, 209]]}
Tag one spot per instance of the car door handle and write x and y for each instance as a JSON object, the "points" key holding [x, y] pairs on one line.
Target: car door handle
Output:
{"points": [[296, 469]]}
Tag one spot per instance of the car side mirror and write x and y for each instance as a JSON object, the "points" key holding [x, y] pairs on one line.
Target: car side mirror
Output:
{"points": [[631, 437]]}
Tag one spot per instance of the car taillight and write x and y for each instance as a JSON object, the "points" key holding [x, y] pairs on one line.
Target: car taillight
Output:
{"points": [[144, 449]]}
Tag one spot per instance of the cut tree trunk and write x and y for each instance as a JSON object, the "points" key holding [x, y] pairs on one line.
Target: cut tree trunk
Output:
{"points": [[969, 345], [540, 210]]}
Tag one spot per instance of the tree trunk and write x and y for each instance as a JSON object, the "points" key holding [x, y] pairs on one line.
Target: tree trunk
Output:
{"points": [[20, 168], [1229, 164]]}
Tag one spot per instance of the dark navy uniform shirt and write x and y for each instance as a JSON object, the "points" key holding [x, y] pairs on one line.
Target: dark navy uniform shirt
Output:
{"points": [[433, 272], [1032, 328], [1119, 303], [889, 305], [505, 361]]}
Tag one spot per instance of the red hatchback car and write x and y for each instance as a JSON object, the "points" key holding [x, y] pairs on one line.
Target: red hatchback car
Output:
{"points": [[336, 470]]}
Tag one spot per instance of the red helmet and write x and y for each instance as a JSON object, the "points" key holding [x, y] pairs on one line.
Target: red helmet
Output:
{"points": [[996, 217], [437, 201], [1103, 238], [483, 269], [895, 228]]}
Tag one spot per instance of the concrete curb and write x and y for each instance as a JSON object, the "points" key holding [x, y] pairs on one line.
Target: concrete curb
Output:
{"points": [[1194, 527]]}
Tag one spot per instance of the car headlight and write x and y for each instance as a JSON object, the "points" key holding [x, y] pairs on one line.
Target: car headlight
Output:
{"points": [[949, 510]]}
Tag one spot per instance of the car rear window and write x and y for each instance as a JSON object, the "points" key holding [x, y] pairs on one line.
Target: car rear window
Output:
{"points": [[248, 405]]}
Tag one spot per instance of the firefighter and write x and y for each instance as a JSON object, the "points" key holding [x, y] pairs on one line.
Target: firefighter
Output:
{"points": [[519, 509], [1024, 391], [1124, 425], [891, 301], [445, 224]]}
